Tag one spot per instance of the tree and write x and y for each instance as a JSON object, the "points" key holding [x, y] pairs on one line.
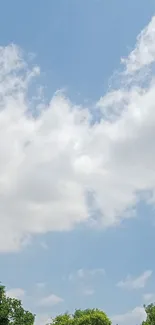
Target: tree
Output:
{"points": [[150, 315], [83, 317], [12, 311], [4, 308], [65, 319]]}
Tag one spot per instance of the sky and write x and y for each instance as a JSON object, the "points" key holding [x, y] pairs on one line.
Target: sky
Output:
{"points": [[77, 172]]}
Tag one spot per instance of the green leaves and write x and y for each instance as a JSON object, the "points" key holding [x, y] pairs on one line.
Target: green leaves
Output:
{"points": [[91, 317], [64, 319], [83, 317], [150, 315], [12, 312], [4, 307]]}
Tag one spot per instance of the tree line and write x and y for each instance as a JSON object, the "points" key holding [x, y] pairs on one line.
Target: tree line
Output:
{"points": [[13, 313]]}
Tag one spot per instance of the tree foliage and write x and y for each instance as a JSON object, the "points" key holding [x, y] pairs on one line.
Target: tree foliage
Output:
{"points": [[12, 311], [83, 317], [150, 315]]}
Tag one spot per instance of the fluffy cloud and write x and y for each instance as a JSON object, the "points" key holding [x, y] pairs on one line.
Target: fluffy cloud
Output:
{"points": [[17, 293], [135, 316], [135, 282], [144, 53], [54, 157], [50, 300]]}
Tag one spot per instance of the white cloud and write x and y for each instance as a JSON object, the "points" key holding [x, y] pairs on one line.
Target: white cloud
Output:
{"points": [[144, 53], [135, 316], [17, 293], [50, 163], [135, 282], [50, 300], [86, 273], [149, 298]]}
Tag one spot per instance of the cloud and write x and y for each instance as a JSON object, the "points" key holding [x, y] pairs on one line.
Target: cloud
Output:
{"points": [[149, 298], [17, 293], [144, 53], [53, 156], [84, 280], [50, 300], [135, 316], [135, 282], [81, 273], [86, 273]]}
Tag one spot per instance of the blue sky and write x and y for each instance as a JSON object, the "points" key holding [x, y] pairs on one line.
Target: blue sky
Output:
{"points": [[76, 254]]}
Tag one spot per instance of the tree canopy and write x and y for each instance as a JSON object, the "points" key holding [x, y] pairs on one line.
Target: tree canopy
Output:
{"points": [[83, 317], [13, 313], [150, 315]]}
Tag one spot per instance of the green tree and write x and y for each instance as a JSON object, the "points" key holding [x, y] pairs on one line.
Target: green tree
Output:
{"points": [[4, 308], [150, 315], [83, 317], [65, 319], [12, 311]]}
